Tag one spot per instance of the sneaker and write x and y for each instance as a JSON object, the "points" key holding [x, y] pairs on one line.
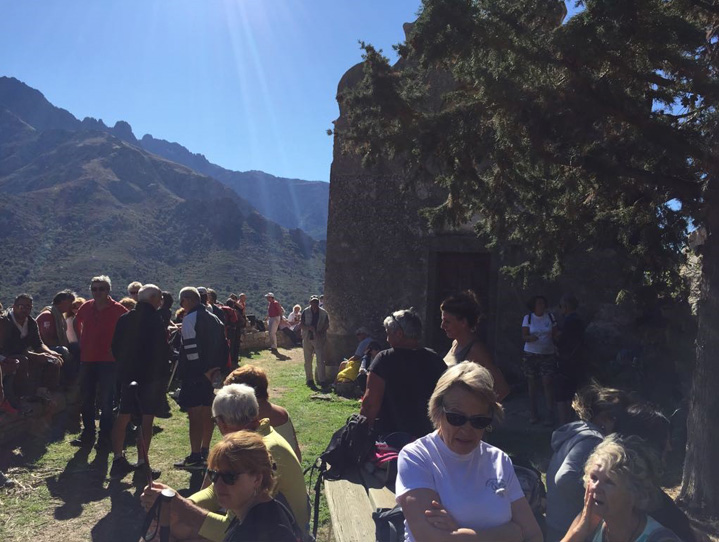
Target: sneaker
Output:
{"points": [[191, 462], [205, 453], [311, 384], [120, 468]]}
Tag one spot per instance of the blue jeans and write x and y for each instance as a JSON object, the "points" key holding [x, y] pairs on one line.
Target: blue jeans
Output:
{"points": [[97, 380]]}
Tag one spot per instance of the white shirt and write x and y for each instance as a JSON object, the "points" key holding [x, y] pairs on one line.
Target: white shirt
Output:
{"points": [[541, 326], [477, 489]]}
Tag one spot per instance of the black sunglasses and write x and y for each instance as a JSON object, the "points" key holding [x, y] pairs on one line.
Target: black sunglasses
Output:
{"points": [[228, 478], [458, 420]]}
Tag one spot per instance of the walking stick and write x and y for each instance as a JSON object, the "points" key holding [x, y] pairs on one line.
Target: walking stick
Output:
{"points": [[159, 513], [166, 496], [141, 447]]}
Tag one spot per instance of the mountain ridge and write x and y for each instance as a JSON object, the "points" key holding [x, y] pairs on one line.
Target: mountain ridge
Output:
{"points": [[292, 203]]}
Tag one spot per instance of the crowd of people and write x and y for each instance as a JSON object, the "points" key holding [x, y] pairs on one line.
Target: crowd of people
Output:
{"points": [[607, 451]]}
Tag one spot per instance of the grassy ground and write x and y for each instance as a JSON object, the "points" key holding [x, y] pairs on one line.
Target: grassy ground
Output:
{"points": [[63, 493]]}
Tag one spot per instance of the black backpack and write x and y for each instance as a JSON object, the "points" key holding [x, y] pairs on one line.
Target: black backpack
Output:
{"points": [[530, 480], [349, 447], [389, 524]]}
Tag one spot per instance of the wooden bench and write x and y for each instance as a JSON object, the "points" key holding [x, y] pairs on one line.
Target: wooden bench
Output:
{"points": [[351, 502]]}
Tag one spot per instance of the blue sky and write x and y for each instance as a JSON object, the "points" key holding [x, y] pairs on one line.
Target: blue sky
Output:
{"points": [[250, 84]]}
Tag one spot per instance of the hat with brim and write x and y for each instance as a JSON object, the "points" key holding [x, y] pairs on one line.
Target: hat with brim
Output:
{"points": [[270, 294]]}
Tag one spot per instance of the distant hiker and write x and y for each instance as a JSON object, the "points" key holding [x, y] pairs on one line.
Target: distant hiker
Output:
{"points": [[539, 360], [203, 353], [133, 289], [139, 345], [402, 379], [274, 315], [314, 324], [95, 325]]}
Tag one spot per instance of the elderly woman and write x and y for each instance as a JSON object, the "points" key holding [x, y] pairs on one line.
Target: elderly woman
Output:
{"points": [[460, 315], [598, 409], [280, 420], [241, 470], [621, 478], [450, 484]]}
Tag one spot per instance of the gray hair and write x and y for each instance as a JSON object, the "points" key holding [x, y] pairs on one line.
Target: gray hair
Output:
{"points": [[148, 291], [236, 404], [103, 279], [407, 320], [633, 463], [470, 376], [190, 292]]}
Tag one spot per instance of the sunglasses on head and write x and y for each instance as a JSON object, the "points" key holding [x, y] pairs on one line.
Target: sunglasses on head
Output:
{"points": [[228, 478], [458, 420]]}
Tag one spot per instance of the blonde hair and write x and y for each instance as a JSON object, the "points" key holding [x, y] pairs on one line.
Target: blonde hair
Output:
{"points": [[470, 376], [128, 303], [633, 463], [244, 451]]}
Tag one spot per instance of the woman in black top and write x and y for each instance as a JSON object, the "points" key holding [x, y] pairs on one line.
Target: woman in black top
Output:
{"points": [[241, 469]]}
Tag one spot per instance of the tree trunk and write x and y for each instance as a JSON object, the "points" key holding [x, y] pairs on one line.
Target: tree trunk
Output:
{"points": [[700, 483]]}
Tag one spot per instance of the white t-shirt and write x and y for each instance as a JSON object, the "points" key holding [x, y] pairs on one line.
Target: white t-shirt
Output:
{"points": [[541, 326], [477, 489]]}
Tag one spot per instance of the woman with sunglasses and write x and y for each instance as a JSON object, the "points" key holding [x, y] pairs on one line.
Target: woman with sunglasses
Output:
{"points": [[240, 467], [450, 484]]}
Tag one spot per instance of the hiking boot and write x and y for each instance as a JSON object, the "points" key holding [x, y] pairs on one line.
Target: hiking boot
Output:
{"points": [[84, 439], [120, 468], [192, 462], [311, 385]]}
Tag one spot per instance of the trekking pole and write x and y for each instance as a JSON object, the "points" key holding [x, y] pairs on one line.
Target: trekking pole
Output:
{"points": [[166, 497], [142, 449]]}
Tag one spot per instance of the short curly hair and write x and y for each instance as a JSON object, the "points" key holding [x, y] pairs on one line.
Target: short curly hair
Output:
{"points": [[633, 463]]}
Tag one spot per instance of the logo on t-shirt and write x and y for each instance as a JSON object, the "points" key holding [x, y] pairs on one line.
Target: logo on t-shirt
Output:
{"points": [[497, 485]]}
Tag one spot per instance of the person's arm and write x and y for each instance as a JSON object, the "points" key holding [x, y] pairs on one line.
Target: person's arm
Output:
{"points": [[480, 354], [372, 399], [432, 523], [523, 516], [186, 518]]}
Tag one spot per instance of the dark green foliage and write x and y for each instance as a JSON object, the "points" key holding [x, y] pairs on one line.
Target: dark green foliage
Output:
{"points": [[562, 137]]}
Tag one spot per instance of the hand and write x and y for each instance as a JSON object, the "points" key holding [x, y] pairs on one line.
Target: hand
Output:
{"points": [[150, 494], [588, 520], [440, 519]]}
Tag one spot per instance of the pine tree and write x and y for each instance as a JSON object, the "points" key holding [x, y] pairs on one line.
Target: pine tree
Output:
{"points": [[563, 135]]}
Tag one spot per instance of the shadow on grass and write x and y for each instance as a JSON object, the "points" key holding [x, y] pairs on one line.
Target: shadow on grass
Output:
{"points": [[80, 483]]}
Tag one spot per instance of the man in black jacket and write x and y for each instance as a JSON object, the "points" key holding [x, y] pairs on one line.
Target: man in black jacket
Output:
{"points": [[203, 353], [140, 347]]}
